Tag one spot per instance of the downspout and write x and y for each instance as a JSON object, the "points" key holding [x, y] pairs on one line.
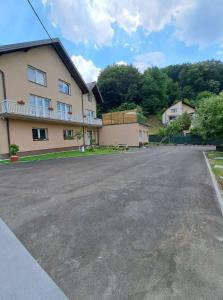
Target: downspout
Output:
{"points": [[7, 120], [98, 136], [82, 100], [8, 133]]}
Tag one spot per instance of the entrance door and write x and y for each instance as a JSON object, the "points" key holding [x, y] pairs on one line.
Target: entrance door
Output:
{"points": [[88, 138]]}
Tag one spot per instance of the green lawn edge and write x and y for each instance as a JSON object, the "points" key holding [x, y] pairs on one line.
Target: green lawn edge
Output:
{"points": [[212, 155], [63, 154]]}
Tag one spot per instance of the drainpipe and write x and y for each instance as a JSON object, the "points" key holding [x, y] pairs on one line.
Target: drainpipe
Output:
{"points": [[82, 102], [7, 120], [98, 135], [8, 133]]}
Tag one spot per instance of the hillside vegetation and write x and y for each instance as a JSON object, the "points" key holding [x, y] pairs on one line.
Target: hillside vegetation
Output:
{"points": [[158, 88]]}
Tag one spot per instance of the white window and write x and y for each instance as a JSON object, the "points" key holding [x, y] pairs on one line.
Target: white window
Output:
{"points": [[40, 134], [89, 113], [39, 105], [63, 107], [36, 76], [68, 134], [90, 97], [173, 110], [64, 87]]}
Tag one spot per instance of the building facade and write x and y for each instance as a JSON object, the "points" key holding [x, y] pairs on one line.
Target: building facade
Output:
{"points": [[45, 105], [123, 127], [176, 110]]}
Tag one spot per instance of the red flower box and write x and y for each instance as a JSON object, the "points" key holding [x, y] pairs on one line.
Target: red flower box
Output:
{"points": [[21, 102], [50, 108]]}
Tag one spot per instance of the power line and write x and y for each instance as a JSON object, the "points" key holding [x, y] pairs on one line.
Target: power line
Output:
{"points": [[35, 12]]}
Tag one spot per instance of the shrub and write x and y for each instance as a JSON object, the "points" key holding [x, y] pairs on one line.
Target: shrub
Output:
{"points": [[14, 149]]}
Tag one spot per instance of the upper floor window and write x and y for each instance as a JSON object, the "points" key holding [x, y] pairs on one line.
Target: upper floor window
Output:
{"points": [[173, 110], [63, 107], [36, 76], [89, 113], [64, 87], [90, 97], [39, 105]]}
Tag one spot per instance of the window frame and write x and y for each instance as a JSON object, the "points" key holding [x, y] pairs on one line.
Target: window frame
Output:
{"points": [[90, 97], [68, 107], [87, 111], [68, 84], [68, 137], [38, 70], [38, 133], [173, 110]]}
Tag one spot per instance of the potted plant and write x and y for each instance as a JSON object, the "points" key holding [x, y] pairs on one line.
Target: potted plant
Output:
{"points": [[14, 149], [21, 102], [69, 112], [50, 108]]}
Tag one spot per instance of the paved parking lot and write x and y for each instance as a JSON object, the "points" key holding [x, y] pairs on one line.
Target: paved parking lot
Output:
{"points": [[140, 225]]}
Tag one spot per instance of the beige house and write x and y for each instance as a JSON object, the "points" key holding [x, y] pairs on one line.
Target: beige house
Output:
{"points": [[44, 102], [123, 127], [176, 110]]}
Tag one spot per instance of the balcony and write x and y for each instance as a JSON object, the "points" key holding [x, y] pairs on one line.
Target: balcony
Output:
{"points": [[14, 109]]}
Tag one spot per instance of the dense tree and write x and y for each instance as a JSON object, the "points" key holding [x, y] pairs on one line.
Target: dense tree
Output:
{"points": [[197, 77], [125, 106], [208, 120], [154, 90], [119, 84]]}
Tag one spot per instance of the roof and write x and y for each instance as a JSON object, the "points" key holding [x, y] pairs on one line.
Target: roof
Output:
{"points": [[58, 47], [188, 104], [184, 102], [93, 87]]}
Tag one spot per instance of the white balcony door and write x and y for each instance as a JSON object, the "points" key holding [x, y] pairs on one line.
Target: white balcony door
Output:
{"points": [[39, 106], [63, 110], [88, 138]]}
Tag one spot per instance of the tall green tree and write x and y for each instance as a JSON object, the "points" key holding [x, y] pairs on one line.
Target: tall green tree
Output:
{"points": [[154, 90], [208, 120], [119, 84]]}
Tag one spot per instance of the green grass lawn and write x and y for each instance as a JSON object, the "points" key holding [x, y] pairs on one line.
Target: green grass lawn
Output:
{"points": [[214, 158], [65, 154]]}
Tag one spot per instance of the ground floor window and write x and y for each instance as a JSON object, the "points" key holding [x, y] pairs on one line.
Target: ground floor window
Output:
{"points": [[68, 134], [40, 134]]}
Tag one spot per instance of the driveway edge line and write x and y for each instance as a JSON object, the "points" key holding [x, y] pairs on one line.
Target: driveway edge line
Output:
{"points": [[215, 184]]}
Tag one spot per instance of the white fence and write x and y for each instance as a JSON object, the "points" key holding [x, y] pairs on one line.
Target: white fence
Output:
{"points": [[13, 107]]}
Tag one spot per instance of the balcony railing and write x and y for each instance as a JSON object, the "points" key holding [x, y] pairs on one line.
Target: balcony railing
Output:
{"points": [[12, 107]]}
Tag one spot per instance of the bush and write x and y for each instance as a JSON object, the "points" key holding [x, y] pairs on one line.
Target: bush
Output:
{"points": [[208, 122], [14, 149]]}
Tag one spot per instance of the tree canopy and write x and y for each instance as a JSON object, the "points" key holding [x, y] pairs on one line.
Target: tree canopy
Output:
{"points": [[208, 120], [156, 88]]}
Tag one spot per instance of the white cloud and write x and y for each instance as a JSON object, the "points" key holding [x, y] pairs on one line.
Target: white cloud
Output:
{"points": [[149, 59], [200, 23], [121, 62], [91, 21], [87, 68]]}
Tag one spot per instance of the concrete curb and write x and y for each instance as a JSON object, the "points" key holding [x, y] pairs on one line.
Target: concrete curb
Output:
{"points": [[218, 192], [21, 277]]}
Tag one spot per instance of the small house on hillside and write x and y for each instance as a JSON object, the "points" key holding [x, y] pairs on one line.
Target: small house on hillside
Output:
{"points": [[123, 127], [177, 110]]}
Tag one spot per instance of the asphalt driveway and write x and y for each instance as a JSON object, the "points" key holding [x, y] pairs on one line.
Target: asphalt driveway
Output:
{"points": [[140, 225]]}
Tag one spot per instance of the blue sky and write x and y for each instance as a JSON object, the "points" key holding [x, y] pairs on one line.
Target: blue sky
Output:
{"points": [[101, 32]]}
